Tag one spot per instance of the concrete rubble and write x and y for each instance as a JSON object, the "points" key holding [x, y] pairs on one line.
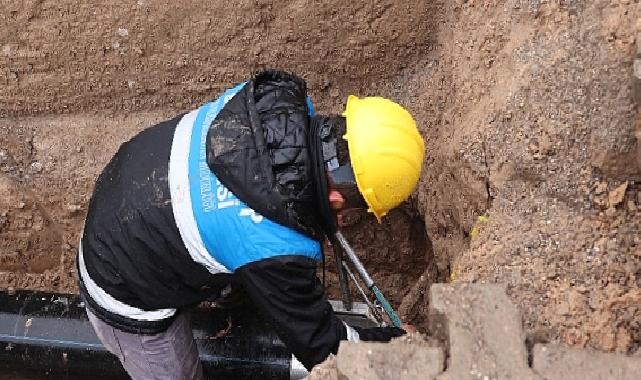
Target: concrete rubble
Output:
{"points": [[483, 327], [554, 362], [480, 329], [380, 361]]}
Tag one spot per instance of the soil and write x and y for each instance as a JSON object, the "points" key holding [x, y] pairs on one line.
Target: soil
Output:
{"points": [[533, 162]]}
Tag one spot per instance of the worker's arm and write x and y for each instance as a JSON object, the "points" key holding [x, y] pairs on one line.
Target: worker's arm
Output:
{"points": [[287, 291]]}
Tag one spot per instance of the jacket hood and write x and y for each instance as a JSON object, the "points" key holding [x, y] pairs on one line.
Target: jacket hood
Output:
{"points": [[259, 148]]}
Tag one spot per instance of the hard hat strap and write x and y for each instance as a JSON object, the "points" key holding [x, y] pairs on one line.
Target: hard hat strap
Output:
{"points": [[328, 138], [343, 180], [336, 160]]}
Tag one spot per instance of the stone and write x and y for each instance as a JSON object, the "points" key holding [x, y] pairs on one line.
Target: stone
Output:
{"points": [[122, 32], [554, 362], [616, 196], [36, 167], [323, 371], [484, 331], [600, 188], [378, 361], [631, 206]]}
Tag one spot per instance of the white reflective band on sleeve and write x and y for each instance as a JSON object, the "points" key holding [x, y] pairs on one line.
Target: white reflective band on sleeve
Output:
{"points": [[181, 199], [352, 335], [111, 304]]}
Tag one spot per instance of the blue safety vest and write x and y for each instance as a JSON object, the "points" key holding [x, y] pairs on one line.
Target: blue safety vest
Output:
{"points": [[233, 233]]}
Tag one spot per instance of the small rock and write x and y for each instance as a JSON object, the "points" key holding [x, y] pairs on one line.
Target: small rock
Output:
{"points": [[545, 145], [122, 32], [73, 208], [610, 211], [563, 309], [601, 187], [600, 244], [616, 196], [631, 206], [611, 245], [36, 167]]}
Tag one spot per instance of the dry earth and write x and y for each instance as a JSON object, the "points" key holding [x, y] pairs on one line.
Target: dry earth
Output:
{"points": [[533, 157]]}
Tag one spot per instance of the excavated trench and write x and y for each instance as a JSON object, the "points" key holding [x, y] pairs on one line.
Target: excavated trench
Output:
{"points": [[398, 253], [49, 162], [69, 102]]}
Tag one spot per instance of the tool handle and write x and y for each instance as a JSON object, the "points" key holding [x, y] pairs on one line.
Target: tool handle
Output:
{"points": [[351, 255], [396, 321], [346, 296]]}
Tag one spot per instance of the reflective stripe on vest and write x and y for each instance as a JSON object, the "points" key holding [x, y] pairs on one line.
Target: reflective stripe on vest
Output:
{"points": [[221, 232]]}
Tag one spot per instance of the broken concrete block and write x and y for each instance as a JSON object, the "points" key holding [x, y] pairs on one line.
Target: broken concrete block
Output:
{"points": [[483, 327], [373, 361], [323, 371], [564, 363]]}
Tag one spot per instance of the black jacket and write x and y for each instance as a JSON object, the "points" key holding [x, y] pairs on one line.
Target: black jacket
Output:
{"points": [[258, 146]]}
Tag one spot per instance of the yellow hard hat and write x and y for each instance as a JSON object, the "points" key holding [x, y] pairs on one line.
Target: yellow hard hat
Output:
{"points": [[386, 151]]}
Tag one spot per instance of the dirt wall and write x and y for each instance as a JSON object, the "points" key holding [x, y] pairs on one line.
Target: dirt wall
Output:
{"points": [[65, 56], [534, 160]]}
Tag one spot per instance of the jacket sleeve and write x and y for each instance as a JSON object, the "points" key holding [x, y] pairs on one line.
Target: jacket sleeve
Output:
{"points": [[287, 291]]}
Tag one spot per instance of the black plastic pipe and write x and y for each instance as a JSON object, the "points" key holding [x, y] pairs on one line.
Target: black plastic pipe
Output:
{"points": [[44, 335]]}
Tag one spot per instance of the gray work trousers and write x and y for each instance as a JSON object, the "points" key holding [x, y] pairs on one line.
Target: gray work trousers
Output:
{"points": [[170, 355]]}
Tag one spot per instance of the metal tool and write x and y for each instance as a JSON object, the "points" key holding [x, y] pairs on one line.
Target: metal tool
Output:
{"points": [[367, 279], [342, 276]]}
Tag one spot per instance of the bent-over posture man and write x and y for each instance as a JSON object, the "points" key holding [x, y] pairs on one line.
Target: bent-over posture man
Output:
{"points": [[237, 194]]}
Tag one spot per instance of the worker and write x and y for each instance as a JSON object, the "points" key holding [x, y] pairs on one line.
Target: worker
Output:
{"points": [[237, 196]]}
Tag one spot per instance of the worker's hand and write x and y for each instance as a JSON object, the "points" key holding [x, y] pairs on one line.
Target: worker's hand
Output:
{"points": [[378, 334], [336, 200], [408, 328]]}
